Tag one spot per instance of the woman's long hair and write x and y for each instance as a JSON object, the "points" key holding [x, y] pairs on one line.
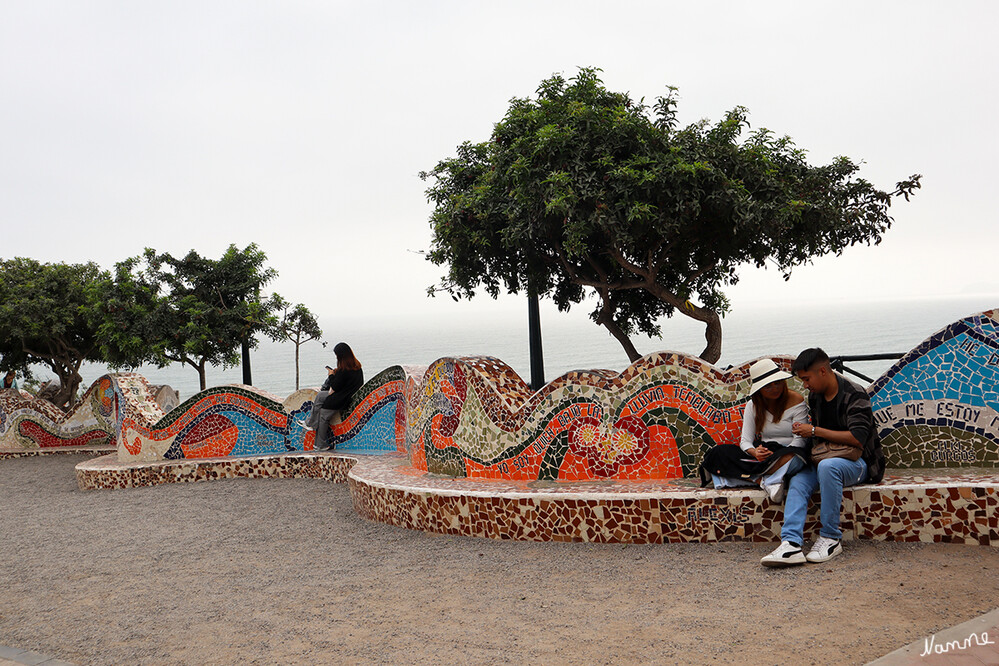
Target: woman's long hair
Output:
{"points": [[345, 359], [775, 407]]}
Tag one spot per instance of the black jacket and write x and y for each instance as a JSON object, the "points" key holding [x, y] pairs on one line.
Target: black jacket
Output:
{"points": [[342, 388], [852, 407]]}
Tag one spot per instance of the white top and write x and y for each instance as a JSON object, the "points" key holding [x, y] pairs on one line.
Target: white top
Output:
{"points": [[774, 432]]}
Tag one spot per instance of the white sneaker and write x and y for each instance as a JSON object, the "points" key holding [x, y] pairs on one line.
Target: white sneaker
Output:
{"points": [[775, 491], [824, 549], [786, 555]]}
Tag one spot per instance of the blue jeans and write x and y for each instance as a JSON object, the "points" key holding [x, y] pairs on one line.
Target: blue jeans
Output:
{"points": [[830, 477]]}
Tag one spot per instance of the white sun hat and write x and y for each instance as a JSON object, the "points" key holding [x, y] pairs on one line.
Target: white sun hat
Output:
{"points": [[764, 372]]}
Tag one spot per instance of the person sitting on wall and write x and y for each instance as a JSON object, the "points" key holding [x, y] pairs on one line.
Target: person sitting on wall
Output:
{"points": [[317, 403], [9, 381], [344, 381], [769, 453], [845, 450]]}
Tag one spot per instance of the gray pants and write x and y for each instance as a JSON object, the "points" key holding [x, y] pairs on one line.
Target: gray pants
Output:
{"points": [[317, 404], [323, 431]]}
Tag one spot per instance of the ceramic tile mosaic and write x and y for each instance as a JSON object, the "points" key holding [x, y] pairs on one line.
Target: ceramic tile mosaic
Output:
{"points": [[959, 507], [955, 508], [28, 424], [938, 406], [237, 420], [475, 417], [109, 473]]}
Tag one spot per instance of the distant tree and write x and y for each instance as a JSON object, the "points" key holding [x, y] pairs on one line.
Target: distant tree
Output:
{"points": [[585, 191], [192, 309], [47, 314], [298, 325]]}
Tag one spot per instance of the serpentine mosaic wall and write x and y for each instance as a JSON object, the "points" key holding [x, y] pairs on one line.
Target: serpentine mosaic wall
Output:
{"points": [[120, 411], [938, 406], [29, 424], [233, 421], [475, 417]]}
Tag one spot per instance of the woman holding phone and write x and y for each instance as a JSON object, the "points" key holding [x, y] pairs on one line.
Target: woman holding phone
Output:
{"points": [[343, 382]]}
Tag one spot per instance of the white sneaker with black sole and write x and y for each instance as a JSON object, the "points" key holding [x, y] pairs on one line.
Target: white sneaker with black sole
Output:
{"points": [[824, 549], [787, 554]]}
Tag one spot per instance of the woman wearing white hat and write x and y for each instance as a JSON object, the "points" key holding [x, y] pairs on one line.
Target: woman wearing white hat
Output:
{"points": [[768, 451]]}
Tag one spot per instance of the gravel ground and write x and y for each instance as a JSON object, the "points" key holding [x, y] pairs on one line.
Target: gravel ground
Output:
{"points": [[283, 571]]}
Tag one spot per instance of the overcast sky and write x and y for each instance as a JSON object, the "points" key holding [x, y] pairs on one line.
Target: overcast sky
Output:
{"points": [[302, 126]]}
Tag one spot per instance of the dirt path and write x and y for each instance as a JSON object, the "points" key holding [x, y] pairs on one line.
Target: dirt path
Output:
{"points": [[283, 571]]}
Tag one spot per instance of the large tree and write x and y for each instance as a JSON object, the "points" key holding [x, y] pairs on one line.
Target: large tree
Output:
{"points": [[47, 315], [192, 309], [584, 191]]}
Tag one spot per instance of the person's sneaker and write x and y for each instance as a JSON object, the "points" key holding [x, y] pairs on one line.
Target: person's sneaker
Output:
{"points": [[824, 549], [775, 491], [787, 554]]}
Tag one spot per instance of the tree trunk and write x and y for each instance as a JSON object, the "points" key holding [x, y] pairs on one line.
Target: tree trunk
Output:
{"points": [[201, 373], [713, 328], [247, 374], [296, 366], [713, 336], [69, 384], [606, 319], [622, 337]]}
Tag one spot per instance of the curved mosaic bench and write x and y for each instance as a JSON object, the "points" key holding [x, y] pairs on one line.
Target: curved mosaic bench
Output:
{"points": [[945, 507], [29, 425], [604, 456], [239, 421], [950, 506]]}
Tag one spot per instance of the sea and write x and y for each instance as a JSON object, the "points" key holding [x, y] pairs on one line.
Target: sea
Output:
{"points": [[570, 341]]}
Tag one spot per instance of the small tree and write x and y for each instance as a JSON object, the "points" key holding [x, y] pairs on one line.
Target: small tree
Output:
{"points": [[298, 325], [584, 191], [47, 315]]}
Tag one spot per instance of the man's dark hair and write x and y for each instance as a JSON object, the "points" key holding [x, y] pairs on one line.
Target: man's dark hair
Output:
{"points": [[808, 358]]}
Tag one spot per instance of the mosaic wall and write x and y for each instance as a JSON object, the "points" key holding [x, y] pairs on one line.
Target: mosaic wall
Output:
{"points": [[29, 424], [938, 406], [235, 421], [475, 417]]}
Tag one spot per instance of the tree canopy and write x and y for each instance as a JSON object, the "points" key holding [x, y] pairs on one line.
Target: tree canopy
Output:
{"points": [[583, 191], [192, 309], [47, 314]]}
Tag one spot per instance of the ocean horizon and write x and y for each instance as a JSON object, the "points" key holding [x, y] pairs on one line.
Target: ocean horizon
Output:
{"points": [[573, 342]]}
